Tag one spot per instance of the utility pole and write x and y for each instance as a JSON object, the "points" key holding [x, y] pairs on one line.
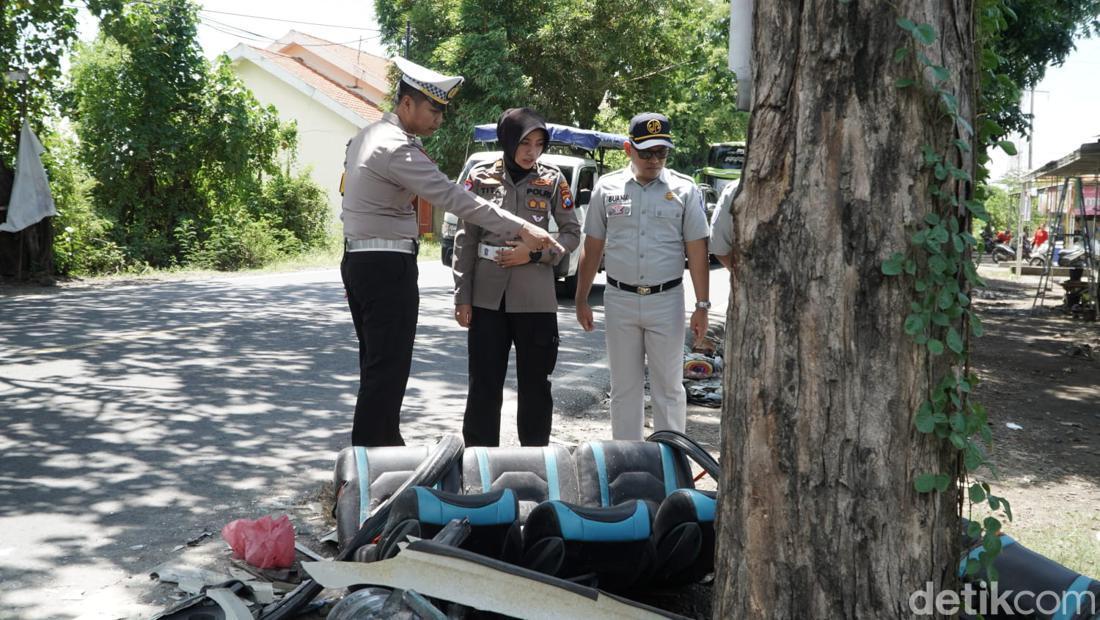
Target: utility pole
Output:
{"points": [[408, 35], [1025, 188]]}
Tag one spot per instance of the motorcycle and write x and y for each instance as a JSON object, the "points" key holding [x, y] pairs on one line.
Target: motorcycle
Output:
{"points": [[1038, 255], [1006, 252], [1073, 256]]}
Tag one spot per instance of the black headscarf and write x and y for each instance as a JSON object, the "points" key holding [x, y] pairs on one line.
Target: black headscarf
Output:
{"points": [[513, 127]]}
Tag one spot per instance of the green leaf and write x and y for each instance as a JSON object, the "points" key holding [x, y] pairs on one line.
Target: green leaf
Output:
{"points": [[942, 482], [925, 483], [906, 24], [954, 341], [976, 328], [974, 529], [940, 74], [1007, 146], [941, 319], [935, 347], [940, 172], [945, 299], [892, 266], [964, 125], [957, 440], [914, 324], [973, 459], [958, 422], [977, 495], [932, 219], [901, 54], [937, 264], [959, 173], [904, 82], [925, 33]]}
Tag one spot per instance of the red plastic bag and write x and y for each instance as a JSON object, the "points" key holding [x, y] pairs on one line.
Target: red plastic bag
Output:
{"points": [[263, 543]]}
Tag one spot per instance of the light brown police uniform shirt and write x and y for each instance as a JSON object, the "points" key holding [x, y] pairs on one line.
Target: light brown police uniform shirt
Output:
{"points": [[541, 195], [384, 168]]}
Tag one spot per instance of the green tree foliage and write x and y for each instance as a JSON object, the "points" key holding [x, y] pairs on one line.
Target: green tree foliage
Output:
{"points": [[579, 62], [34, 36], [1020, 39], [174, 145]]}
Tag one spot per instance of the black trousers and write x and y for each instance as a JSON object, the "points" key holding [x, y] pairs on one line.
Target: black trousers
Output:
{"points": [[384, 301], [492, 333]]}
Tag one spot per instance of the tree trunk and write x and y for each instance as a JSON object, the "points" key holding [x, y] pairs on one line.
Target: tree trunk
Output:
{"points": [[818, 515]]}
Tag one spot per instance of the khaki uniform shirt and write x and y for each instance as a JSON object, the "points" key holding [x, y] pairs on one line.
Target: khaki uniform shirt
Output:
{"points": [[542, 194], [721, 226], [645, 226], [384, 168]]}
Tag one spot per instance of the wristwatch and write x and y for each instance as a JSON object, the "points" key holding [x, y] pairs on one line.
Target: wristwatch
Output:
{"points": [[702, 305], [535, 256]]}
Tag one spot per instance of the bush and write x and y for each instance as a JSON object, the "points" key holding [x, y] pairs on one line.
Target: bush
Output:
{"points": [[297, 205], [233, 241], [82, 244]]}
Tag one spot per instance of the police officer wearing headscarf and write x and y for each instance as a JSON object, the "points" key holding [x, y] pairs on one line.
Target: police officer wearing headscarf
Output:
{"points": [[385, 167], [504, 291]]}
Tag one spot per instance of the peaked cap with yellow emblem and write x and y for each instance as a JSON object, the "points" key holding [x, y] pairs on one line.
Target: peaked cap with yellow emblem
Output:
{"points": [[435, 86], [650, 129]]}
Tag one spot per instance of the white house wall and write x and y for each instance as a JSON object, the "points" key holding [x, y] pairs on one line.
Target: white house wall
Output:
{"points": [[322, 134]]}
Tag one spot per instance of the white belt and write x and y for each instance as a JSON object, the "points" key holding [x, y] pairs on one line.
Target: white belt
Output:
{"points": [[490, 252], [408, 246]]}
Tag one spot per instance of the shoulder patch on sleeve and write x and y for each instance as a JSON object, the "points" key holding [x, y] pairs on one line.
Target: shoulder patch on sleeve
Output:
{"points": [[566, 195]]}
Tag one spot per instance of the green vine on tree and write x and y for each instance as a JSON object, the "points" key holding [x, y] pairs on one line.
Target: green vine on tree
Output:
{"points": [[942, 273]]}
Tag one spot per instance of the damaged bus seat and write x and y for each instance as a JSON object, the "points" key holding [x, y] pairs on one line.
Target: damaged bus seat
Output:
{"points": [[535, 474], [625, 513], [421, 512], [366, 477], [622, 485], [610, 472], [683, 532], [611, 543]]}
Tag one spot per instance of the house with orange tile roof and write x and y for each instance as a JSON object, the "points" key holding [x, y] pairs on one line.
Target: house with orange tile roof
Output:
{"points": [[330, 90]]}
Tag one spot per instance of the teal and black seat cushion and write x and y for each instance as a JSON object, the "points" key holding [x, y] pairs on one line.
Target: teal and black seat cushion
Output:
{"points": [[422, 512], [613, 545]]}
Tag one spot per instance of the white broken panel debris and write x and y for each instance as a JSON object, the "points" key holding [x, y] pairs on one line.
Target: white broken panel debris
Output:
{"points": [[475, 585]]}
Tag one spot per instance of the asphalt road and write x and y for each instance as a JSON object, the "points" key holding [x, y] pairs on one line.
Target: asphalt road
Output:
{"points": [[134, 416]]}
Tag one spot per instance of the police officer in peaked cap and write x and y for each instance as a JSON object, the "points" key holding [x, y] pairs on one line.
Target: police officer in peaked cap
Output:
{"points": [[642, 220], [385, 167]]}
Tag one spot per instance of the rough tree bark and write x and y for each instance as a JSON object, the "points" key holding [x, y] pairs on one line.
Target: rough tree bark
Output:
{"points": [[818, 515]]}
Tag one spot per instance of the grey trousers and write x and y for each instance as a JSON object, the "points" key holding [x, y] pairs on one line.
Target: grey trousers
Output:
{"points": [[645, 330]]}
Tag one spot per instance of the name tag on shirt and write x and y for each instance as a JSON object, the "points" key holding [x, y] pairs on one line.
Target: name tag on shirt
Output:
{"points": [[619, 209]]}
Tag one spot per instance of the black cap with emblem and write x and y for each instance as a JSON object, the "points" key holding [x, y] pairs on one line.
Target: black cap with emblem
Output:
{"points": [[650, 129]]}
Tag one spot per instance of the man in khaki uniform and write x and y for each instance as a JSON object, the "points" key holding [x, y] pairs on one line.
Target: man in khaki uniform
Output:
{"points": [[643, 220], [505, 295], [385, 167]]}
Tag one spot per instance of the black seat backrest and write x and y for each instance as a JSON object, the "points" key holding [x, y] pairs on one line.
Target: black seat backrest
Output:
{"points": [[534, 474], [612, 472], [366, 477]]}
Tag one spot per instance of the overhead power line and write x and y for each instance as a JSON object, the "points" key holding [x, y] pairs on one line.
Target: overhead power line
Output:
{"points": [[290, 21]]}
